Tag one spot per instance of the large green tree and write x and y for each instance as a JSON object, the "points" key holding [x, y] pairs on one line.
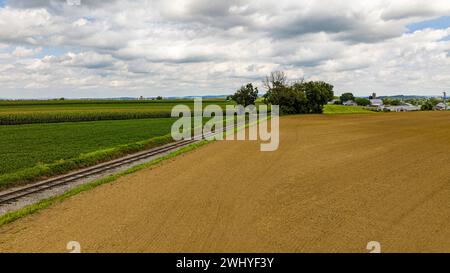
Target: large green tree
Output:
{"points": [[299, 97], [246, 95], [317, 95], [290, 100]]}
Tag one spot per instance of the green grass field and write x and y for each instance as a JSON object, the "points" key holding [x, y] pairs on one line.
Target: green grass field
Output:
{"points": [[24, 146], [341, 109]]}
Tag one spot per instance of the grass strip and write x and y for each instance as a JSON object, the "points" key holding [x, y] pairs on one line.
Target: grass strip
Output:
{"points": [[342, 109]]}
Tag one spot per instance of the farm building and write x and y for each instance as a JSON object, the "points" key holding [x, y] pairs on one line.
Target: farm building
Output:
{"points": [[405, 107], [376, 102], [350, 103], [440, 106]]}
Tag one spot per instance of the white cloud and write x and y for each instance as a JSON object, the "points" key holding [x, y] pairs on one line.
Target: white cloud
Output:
{"points": [[22, 52], [187, 47], [80, 22], [90, 60], [24, 25]]}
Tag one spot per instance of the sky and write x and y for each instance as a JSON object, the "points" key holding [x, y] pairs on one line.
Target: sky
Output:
{"points": [[57, 48]]}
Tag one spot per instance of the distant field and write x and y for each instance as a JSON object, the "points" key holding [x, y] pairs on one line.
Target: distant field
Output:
{"points": [[341, 109], [75, 134], [27, 112], [97, 102]]}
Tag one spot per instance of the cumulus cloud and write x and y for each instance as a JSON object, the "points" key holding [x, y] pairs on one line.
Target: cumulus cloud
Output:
{"points": [[185, 47], [90, 60], [55, 4], [21, 52]]}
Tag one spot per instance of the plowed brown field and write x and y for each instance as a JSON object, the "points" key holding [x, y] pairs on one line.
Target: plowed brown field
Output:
{"points": [[336, 183]]}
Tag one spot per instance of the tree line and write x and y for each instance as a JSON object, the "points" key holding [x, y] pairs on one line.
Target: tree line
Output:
{"points": [[425, 103], [300, 97], [297, 97]]}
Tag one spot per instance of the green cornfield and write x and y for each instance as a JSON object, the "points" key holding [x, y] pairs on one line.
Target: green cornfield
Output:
{"points": [[54, 111], [54, 117]]}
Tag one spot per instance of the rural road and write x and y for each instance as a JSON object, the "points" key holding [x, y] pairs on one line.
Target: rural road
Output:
{"points": [[336, 183]]}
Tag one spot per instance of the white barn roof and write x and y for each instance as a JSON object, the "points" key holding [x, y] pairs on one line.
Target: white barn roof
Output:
{"points": [[376, 102]]}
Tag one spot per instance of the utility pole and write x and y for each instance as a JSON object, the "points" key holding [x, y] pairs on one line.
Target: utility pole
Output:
{"points": [[445, 100]]}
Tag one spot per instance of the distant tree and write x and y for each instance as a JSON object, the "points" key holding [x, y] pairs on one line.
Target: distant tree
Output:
{"points": [[362, 101], [434, 101], [346, 97], [429, 104], [159, 98], [413, 101], [391, 101], [387, 101], [396, 102], [246, 95], [291, 99], [317, 95]]}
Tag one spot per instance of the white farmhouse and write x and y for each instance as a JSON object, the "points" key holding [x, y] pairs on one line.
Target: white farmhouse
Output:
{"points": [[376, 102]]}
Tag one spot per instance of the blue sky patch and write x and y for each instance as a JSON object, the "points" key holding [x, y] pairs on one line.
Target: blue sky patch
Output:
{"points": [[55, 51], [437, 23]]}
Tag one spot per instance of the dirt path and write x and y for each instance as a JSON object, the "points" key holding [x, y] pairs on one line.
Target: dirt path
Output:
{"points": [[336, 183]]}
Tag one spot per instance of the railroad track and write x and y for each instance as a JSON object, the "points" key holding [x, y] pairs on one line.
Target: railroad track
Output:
{"points": [[10, 196]]}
